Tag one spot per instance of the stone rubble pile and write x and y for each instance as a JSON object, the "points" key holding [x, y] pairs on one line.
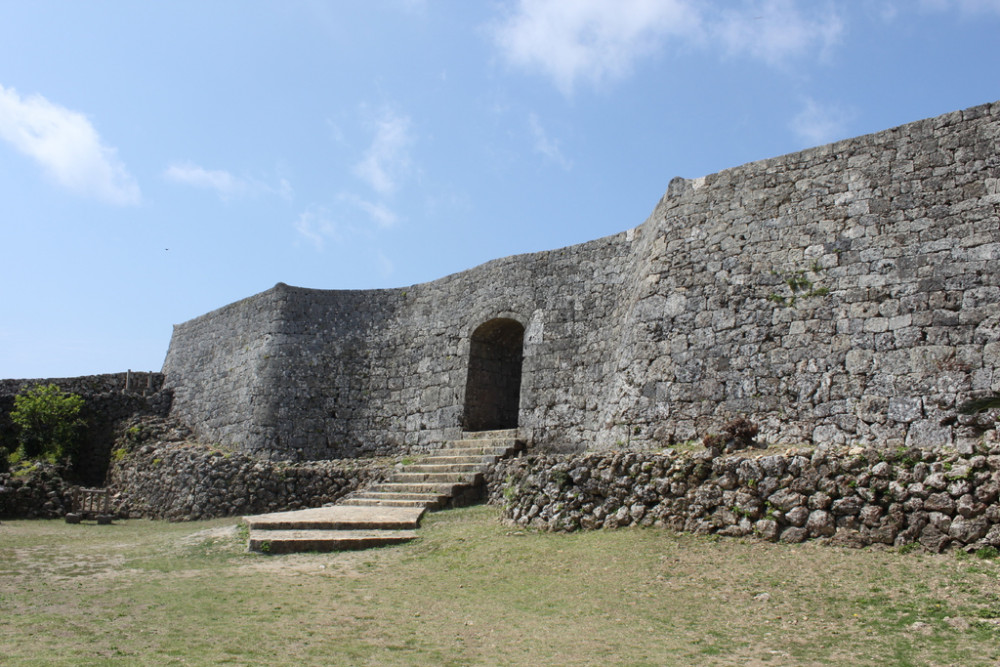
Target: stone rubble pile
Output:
{"points": [[40, 493], [191, 482], [851, 496], [159, 474]]}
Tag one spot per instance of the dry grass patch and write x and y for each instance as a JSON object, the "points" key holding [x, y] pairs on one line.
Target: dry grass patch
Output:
{"points": [[472, 591]]}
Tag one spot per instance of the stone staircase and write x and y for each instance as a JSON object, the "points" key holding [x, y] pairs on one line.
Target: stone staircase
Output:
{"points": [[388, 512]]}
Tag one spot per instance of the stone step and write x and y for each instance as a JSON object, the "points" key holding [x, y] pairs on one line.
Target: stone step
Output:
{"points": [[375, 494], [444, 467], [297, 541], [501, 434], [388, 511], [478, 444], [481, 456], [416, 487], [433, 504], [338, 518], [407, 476]]}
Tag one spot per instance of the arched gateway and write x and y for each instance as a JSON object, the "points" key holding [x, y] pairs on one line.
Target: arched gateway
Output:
{"points": [[493, 388]]}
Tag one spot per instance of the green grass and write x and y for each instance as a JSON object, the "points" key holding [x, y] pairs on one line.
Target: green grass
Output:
{"points": [[472, 591]]}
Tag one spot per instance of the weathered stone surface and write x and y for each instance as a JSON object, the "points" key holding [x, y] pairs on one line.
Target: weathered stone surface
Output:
{"points": [[534, 489], [843, 294]]}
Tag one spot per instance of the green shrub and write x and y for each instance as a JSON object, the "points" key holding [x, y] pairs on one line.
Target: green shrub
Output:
{"points": [[48, 421]]}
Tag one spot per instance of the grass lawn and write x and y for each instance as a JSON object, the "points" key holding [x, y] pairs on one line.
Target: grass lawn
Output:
{"points": [[471, 591]]}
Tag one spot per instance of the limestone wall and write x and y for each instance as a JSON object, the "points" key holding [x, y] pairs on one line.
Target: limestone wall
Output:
{"points": [[855, 497], [844, 294]]}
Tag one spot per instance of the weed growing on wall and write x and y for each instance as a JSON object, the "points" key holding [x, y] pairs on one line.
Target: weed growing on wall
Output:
{"points": [[48, 421]]}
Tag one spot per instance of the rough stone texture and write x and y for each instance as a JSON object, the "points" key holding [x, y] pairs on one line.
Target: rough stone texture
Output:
{"points": [[108, 401], [41, 493], [854, 497], [156, 473], [843, 294]]}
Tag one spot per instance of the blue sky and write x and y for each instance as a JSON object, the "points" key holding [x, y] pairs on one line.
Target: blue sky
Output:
{"points": [[160, 160]]}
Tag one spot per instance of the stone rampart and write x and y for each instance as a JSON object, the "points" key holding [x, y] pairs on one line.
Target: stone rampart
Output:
{"points": [[846, 294], [108, 400], [855, 497]]}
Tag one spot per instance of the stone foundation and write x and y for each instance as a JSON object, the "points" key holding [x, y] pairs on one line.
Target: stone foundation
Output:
{"points": [[853, 497]]}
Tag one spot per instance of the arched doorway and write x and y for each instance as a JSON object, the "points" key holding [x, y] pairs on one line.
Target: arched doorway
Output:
{"points": [[493, 388]]}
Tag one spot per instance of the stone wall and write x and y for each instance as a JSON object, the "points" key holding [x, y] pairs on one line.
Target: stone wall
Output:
{"points": [[854, 497], [187, 483], [39, 493], [108, 400], [844, 294]]}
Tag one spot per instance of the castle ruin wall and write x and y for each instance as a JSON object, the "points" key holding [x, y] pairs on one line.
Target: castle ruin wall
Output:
{"points": [[844, 294]]}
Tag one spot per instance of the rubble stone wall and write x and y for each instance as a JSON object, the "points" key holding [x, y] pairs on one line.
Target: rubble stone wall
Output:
{"points": [[855, 497], [846, 294], [190, 482]]}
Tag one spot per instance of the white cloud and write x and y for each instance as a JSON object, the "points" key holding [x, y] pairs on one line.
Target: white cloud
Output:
{"points": [[316, 226], [776, 30], [817, 124], [67, 147], [380, 214], [601, 40], [596, 40], [224, 183], [387, 160], [546, 145]]}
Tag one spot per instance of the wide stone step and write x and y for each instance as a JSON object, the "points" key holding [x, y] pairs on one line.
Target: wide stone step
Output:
{"points": [[478, 455], [501, 434], [408, 476], [297, 541], [338, 518], [436, 503], [416, 487], [480, 444], [472, 467]]}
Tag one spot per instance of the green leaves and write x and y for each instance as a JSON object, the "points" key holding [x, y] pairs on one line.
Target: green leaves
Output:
{"points": [[49, 422]]}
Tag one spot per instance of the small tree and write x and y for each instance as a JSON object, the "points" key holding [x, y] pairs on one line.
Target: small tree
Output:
{"points": [[49, 422]]}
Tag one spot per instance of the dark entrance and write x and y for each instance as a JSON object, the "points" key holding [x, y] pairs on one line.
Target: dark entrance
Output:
{"points": [[493, 390]]}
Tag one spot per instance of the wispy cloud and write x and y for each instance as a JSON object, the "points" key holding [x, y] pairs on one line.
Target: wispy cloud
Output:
{"points": [[819, 124], [597, 41], [380, 214], [67, 146], [594, 40], [226, 185], [776, 31], [317, 227], [387, 160], [545, 145]]}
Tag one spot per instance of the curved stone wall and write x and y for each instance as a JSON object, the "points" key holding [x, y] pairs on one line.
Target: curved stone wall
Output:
{"points": [[844, 294]]}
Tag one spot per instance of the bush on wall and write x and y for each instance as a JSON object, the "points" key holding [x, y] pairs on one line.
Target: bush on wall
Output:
{"points": [[49, 423]]}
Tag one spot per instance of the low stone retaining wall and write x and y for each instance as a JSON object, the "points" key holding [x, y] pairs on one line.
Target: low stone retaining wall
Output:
{"points": [[40, 493], [853, 497], [187, 481]]}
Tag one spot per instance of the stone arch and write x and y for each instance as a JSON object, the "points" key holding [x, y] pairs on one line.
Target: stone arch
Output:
{"points": [[493, 387]]}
